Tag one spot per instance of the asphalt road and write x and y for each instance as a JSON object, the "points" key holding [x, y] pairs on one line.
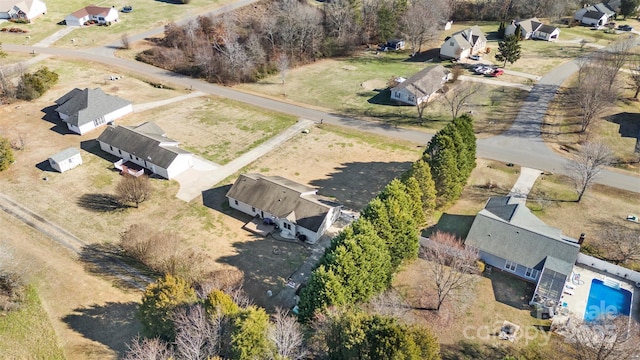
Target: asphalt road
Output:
{"points": [[521, 144]]}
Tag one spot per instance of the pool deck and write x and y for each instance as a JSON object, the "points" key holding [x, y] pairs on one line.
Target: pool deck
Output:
{"points": [[577, 302]]}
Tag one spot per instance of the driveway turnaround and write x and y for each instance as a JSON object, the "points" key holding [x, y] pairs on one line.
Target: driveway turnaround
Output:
{"points": [[194, 181]]}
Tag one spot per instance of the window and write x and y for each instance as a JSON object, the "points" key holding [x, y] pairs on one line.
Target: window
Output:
{"points": [[450, 43], [287, 226], [111, 147], [253, 209], [531, 273], [510, 266], [235, 202], [70, 161]]}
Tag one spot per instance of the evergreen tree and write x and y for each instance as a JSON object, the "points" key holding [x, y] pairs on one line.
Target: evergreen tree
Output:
{"points": [[249, 336], [629, 8], [501, 29], [464, 124], [415, 195], [159, 302], [376, 212], [32, 86], [421, 171], [323, 289], [509, 50], [444, 169], [518, 32], [404, 243], [460, 149], [218, 302], [6, 154]]}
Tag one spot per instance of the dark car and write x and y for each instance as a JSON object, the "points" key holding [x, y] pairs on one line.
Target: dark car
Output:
{"points": [[625, 28], [127, 9]]}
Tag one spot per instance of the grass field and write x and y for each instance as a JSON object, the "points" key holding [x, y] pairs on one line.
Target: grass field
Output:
{"points": [[146, 15], [26, 333]]}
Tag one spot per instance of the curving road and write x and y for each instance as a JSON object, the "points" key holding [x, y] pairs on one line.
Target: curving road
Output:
{"points": [[522, 144]]}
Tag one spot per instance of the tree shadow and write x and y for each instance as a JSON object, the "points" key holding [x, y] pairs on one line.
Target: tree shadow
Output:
{"points": [[113, 324], [458, 225], [110, 262], [100, 202], [510, 290], [51, 116], [355, 184]]}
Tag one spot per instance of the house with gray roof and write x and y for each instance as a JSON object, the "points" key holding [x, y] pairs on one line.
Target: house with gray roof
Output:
{"points": [[509, 237], [598, 14], [462, 44], [533, 29], [65, 160], [146, 145], [296, 209], [421, 86], [88, 109]]}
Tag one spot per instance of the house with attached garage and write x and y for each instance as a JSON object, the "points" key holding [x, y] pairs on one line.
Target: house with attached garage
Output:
{"points": [[510, 238], [597, 15], [533, 29], [295, 209], [421, 86], [66, 159], [85, 110], [25, 10], [92, 13], [462, 44], [146, 146]]}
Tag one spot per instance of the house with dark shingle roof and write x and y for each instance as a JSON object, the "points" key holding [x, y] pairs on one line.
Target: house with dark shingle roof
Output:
{"points": [[148, 146], [462, 44], [421, 86], [295, 208], [598, 14], [509, 237], [101, 15], [85, 110], [533, 29]]}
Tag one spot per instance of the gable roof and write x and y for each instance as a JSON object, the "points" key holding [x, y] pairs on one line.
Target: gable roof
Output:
{"points": [[547, 29], [604, 8], [468, 37], [65, 154], [24, 5], [529, 25], [509, 230], [146, 141], [425, 82], [283, 198], [593, 14], [91, 10], [84, 106]]}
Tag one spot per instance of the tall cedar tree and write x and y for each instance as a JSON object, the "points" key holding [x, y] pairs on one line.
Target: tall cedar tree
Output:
{"points": [[376, 212], [421, 171], [509, 50], [464, 124], [6, 154], [159, 302], [323, 289], [444, 169], [501, 29], [415, 194], [461, 151], [249, 336]]}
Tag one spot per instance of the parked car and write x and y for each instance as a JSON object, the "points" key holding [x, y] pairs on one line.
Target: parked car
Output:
{"points": [[481, 69], [496, 72], [127, 9], [474, 57], [625, 28]]}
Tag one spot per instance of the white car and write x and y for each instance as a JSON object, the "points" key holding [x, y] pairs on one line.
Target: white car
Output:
{"points": [[475, 57]]}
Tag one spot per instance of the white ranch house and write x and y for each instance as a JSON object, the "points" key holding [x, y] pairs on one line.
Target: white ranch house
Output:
{"points": [[464, 43], [295, 208], [88, 109], [22, 9], [66, 159], [533, 29], [99, 14], [598, 14], [421, 86], [147, 146]]}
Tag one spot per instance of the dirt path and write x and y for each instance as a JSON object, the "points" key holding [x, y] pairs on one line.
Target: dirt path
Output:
{"points": [[107, 264]]}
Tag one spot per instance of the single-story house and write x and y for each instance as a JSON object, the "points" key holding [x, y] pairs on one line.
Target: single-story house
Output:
{"points": [[598, 14], [99, 14], [509, 237], [533, 29], [66, 159], [146, 145], [421, 86], [395, 45], [22, 9], [294, 208], [464, 43], [85, 110]]}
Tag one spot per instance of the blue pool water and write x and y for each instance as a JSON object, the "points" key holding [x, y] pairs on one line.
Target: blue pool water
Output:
{"points": [[606, 299]]}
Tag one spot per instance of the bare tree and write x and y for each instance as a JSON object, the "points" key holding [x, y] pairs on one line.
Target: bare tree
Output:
{"points": [[459, 96], [286, 333], [19, 142], [197, 334], [635, 80], [590, 160], [421, 106], [451, 264], [422, 22], [620, 244], [613, 59], [607, 338], [133, 189], [390, 303], [282, 63], [591, 98], [340, 22], [148, 349], [124, 39]]}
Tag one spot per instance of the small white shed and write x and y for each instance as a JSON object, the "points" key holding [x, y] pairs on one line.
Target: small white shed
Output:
{"points": [[66, 159]]}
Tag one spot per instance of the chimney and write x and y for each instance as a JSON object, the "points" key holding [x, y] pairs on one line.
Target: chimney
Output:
{"points": [[581, 239]]}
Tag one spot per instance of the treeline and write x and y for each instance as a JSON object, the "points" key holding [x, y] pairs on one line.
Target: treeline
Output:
{"points": [[182, 323], [362, 259], [30, 86], [515, 9]]}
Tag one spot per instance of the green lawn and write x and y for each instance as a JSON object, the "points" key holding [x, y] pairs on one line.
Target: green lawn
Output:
{"points": [[26, 333], [147, 14]]}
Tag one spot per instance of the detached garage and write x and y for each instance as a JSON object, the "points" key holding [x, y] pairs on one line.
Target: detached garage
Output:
{"points": [[66, 159]]}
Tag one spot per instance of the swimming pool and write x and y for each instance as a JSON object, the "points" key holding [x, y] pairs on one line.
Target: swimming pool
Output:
{"points": [[605, 299]]}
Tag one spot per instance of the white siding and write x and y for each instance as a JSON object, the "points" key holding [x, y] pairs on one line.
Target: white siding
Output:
{"points": [[67, 164], [181, 163], [74, 21], [118, 113], [37, 8]]}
